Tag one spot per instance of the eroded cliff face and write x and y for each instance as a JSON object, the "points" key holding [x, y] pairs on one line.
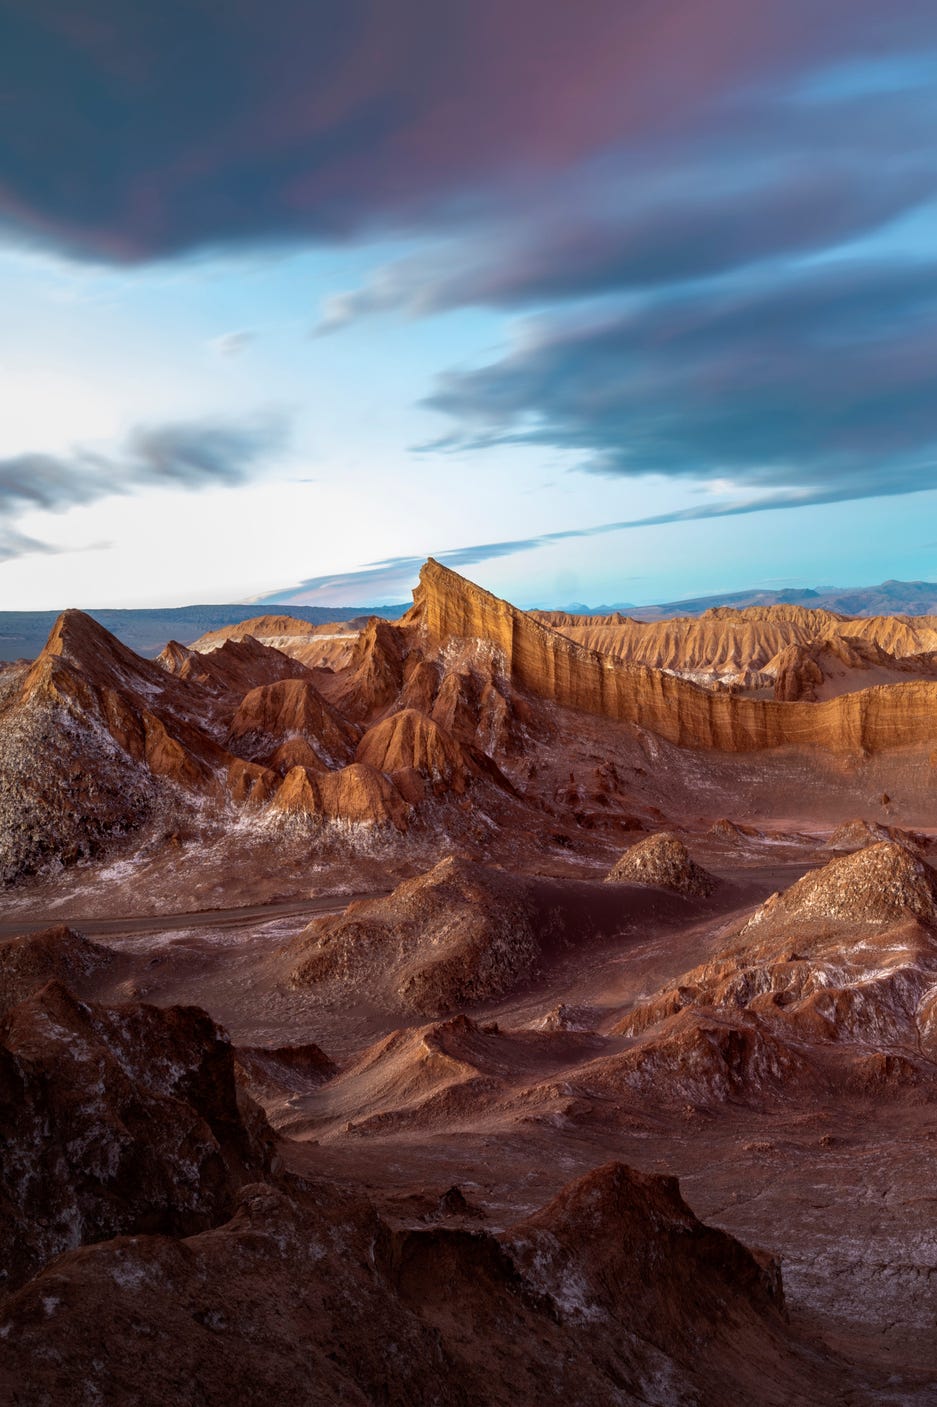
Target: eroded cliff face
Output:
{"points": [[549, 665], [726, 641]]}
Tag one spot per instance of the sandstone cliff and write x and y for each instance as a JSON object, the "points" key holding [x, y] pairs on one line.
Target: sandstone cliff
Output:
{"points": [[552, 666], [723, 641]]}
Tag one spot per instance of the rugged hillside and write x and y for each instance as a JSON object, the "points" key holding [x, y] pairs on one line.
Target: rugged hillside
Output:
{"points": [[733, 645], [549, 665], [116, 1120], [96, 744], [842, 664], [455, 936], [298, 1295], [468, 721], [831, 983], [149, 1218]]}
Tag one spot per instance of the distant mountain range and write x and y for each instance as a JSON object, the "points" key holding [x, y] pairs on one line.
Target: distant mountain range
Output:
{"points": [[23, 633], [889, 598]]}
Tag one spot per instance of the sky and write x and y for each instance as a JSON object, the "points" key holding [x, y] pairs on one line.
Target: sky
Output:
{"points": [[615, 302]]}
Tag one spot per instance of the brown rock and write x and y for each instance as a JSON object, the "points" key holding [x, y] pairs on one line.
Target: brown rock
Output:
{"points": [[459, 934], [549, 665], [275, 721], [56, 954], [663, 861], [409, 742], [112, 1120], [358, 795]]}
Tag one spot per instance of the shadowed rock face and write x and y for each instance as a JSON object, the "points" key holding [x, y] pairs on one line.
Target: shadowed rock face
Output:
{"points": [[54, 955], [116, 1120], [664, 861], [613, 1292]]}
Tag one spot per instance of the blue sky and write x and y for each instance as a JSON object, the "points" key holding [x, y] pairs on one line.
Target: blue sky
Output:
{"points": [[621, 305]]}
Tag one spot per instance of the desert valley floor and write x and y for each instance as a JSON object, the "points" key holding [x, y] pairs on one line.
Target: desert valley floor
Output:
{"points": [[483, 1007]]}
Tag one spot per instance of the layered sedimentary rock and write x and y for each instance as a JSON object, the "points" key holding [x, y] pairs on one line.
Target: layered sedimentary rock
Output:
{"points": [[727, 642], [549, 665], [842, 664]]}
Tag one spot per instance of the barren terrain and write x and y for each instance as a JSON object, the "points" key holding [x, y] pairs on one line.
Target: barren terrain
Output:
{"points": [[361, 1001]]}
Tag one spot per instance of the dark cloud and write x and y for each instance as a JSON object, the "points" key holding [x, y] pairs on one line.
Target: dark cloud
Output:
{"points": [[17, 544], [696, 225], [134, 131], [191, 455], [808, 388]]}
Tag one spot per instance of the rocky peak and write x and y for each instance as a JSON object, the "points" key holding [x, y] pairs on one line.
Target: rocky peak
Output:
{"points": [[879, 884], [663, 861]]}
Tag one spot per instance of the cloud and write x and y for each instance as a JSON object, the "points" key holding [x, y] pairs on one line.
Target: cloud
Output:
{"points": [[189, 455], [16, 544], [670, 233], [232, 344], [813, 387], [141, 131], [394, 576]]}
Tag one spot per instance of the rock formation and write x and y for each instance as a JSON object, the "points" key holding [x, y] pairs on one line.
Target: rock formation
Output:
{"points": [[458, 935], [725, 643], [663, 861], [843, 962], [356, 795], [879, 884], [289, 723], [548, 665], [116, 1120], [53, 955], [584, 1301]]}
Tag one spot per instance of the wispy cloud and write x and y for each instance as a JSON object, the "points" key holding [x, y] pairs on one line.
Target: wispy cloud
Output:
{"points": [[189, 455], [391, 577], [232, 344]]}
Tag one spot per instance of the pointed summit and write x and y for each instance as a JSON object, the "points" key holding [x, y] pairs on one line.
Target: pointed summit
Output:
{"points": [[879, 884], [664, 862]]}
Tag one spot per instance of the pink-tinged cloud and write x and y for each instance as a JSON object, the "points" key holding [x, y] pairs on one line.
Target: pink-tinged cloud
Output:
{"points": [[135, 131]]}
